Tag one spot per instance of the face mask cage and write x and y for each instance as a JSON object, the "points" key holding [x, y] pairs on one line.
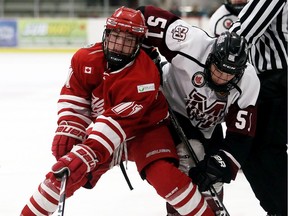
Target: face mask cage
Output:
{"points": [[120, 47], [224, 88]]}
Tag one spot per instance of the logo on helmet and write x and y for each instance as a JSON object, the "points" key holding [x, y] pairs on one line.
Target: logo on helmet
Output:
{"points": [[228, 66]]}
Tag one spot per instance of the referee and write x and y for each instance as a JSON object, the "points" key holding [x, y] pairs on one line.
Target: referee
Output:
{"points": [[264, 25]]}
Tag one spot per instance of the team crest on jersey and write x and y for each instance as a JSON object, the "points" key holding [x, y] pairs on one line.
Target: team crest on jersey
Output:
{"points": [[127, 108], [179, 32], [204, 114], [97, 106], [198, 79], [227, 23]]}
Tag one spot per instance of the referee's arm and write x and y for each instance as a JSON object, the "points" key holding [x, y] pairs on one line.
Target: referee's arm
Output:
{"points": [[255, 18]]}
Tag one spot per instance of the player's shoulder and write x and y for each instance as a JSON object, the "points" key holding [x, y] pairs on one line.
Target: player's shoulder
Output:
{"points": [[220, 12], [144, 67], [249, 79], [89, 52], [221, 20], [250, 86], [89, 62], [250, 74]]}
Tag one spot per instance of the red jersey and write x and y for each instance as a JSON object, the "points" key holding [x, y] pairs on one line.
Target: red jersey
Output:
{"points": [[121, 103]]}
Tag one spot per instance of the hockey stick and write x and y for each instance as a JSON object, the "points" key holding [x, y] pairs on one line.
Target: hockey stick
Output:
{"points": [[125, 175], [184, 139], [62, 194]]}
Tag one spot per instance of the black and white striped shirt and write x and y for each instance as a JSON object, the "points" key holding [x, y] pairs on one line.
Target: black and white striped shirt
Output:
{"points": [[264, 24]]}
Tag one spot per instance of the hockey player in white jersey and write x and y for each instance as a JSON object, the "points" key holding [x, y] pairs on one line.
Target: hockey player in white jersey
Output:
{"points": [[207, 81], [222, 19]]}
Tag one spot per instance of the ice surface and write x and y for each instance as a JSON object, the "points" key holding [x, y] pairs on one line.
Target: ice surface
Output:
{"points": [[29, 87]]}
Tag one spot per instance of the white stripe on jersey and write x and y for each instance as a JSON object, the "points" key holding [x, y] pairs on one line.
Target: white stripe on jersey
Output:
{"points": [[107, 131], [103, 142], [80, 109], [74, 98], [68, 113], [115, 123]]}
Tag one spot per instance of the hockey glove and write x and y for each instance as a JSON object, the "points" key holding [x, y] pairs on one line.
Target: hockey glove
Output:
{"points": [[67, 135], [153, 54], [212, 169], [77, 163]]}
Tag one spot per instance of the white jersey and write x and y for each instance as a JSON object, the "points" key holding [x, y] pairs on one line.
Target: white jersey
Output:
{"points": [[186, 91], [221, 20], [186, 48]]}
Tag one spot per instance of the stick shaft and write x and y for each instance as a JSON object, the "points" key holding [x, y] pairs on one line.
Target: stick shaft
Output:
{"points": [[61, 204]]}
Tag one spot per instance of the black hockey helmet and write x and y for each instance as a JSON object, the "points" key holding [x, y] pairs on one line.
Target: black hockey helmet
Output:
{"points": [[229, 55], [124, 20], [235, 7]]}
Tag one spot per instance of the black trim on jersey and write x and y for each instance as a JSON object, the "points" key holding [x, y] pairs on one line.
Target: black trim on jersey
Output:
{"points": [[192, 59], [220, 20], [237, 87]]}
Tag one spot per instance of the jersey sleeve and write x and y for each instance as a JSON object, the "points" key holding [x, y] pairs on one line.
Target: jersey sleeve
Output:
{"points": [[74, 103], [175, 38], [158, 22], [242, 115], [255, 18]]}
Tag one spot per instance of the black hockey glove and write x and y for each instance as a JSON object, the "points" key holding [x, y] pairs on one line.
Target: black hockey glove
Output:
{"points": [[212, 169], [153, 54]]}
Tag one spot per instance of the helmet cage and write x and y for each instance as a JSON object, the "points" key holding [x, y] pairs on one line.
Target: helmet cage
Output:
{"points": [[119, 58], [224, 87]]}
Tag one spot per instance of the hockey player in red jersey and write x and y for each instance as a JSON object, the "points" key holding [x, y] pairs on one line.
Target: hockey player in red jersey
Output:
{"points": [[207, 81], [114, 87]]}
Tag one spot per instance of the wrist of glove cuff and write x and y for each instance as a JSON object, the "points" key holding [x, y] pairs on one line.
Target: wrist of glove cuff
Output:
{"points": [[77, 163], [212, 169], [66, 136], [71, 129]]}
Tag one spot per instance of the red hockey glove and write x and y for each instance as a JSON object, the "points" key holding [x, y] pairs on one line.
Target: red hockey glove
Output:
{"points": [[215, 168], [67, 135], [78, 162]]}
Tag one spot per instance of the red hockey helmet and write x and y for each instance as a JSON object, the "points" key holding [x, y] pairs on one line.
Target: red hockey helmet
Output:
{"points": [[132, 23], [128, 20]]}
